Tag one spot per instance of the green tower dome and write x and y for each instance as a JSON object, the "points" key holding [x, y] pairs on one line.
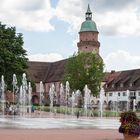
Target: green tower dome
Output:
{"points": [[89, 24]]}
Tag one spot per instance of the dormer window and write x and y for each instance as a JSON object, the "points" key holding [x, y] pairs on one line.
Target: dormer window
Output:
{"points": [[113, 85], [121, 85], [130, 84]]}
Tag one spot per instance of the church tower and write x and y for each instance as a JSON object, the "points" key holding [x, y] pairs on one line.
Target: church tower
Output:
{"points": [[88, 35]]}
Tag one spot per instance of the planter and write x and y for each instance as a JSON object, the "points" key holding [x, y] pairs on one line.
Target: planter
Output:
{"points": [[130, 137]]}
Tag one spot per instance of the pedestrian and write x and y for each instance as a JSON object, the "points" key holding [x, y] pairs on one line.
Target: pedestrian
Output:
{"points": [[77, 114], [33, 109]]}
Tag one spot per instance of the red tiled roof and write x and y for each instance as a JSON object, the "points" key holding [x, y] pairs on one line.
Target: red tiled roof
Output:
{"points": [[125, 78], [54, 71], [46, 71]]}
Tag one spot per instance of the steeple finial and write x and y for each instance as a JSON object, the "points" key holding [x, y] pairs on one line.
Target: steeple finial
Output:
{"points": [[88, 13], [88, 9]]}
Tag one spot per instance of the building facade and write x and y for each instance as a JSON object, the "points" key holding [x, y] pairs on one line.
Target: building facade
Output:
{"points": [[122, 89]]}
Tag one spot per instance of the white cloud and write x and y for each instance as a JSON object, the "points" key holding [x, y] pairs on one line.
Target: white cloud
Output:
{"points": [[120, 20], [27, 14], [51, 57], [121, 60], [35, 15], [124, 22], [72, 12]]}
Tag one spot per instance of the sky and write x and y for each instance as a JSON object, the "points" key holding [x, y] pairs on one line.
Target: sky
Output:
{"points": [[50, 28]]}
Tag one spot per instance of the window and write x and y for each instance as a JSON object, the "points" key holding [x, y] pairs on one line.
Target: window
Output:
{"points": [[130, 84], [121, 85], [110, 94], [131, 93], [119, 94], [134, 93], [113, 85], [124, 94]]}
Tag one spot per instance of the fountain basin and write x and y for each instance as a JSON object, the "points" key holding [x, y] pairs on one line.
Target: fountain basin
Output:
{"points": [[49, 123]]}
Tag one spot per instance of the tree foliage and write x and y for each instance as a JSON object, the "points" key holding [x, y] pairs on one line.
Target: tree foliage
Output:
{"points": [[12, 55], [82, 69]]}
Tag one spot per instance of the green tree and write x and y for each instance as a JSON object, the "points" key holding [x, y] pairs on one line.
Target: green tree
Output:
{"points": [[12, 55], [82, 69]]}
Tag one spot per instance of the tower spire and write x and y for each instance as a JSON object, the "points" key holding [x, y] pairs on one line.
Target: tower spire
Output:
{"points": [[88, 14], [88, 35]]}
